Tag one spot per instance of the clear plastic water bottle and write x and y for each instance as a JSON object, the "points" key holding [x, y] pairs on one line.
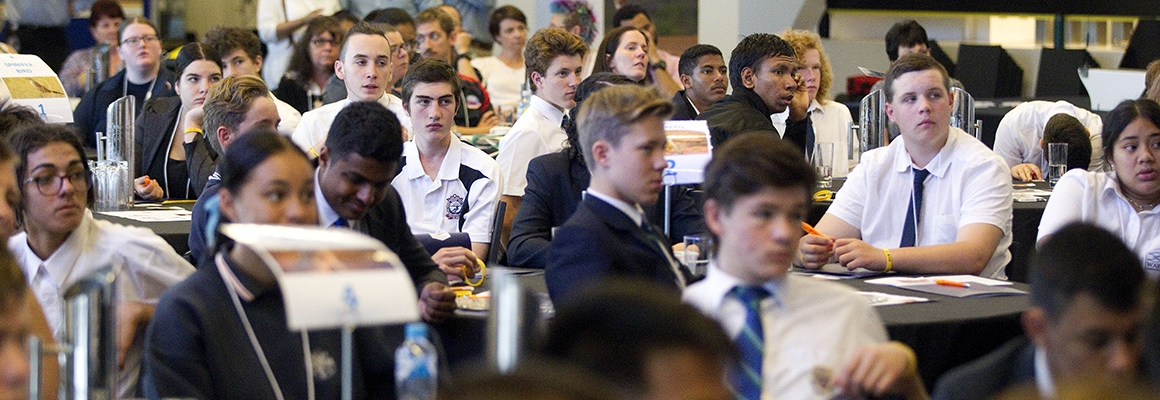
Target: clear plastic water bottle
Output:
{"points": [[416, 365], [525, 99]]}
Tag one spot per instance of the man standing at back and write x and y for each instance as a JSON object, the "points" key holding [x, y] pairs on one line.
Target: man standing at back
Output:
{"points": [[623, 140], [764, 84], [555, 60], [935, 202], [364, 65]]}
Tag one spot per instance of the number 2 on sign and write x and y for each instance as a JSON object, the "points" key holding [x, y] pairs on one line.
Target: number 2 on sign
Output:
{"points": [[42, 110]]}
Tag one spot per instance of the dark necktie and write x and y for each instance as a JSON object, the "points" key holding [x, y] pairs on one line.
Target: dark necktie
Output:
{"points": [[745, 376], [341, 223], [910, 230], [564, 122], [658, 240], [811, 137]]}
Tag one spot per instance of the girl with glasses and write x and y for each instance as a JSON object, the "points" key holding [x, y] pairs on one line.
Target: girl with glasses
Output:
{"points": [[143, 77]]}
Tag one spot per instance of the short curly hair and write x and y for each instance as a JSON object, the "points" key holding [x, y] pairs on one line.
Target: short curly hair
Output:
{"points": [[547, 44], [803, 41]]}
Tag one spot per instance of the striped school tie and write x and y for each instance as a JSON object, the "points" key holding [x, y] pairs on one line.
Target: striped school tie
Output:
{"points": [[745, 376]]}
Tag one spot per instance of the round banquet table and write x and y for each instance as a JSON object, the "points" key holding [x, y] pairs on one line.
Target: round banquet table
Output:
{"points": [[944, 332]]}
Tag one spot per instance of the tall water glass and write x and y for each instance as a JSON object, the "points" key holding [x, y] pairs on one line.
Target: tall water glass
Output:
{"points": [[823, 162], [1056, 162]]}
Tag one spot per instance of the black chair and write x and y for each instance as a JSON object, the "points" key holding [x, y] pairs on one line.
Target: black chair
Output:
{"points": [[988, 72], [497, 252], [1058, 75]]}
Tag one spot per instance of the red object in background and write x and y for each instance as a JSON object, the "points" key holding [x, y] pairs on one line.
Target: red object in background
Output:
{"points": [[858, 86]]}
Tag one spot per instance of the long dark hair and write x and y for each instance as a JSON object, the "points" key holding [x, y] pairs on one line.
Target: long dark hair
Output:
{"points": [[592, 84], [1120, 117], [607, 51], [196, 51], [301, 67]]}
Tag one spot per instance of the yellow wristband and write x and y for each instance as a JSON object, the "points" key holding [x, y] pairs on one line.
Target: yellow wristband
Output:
{"points": [[198, 130], [889, 261]]}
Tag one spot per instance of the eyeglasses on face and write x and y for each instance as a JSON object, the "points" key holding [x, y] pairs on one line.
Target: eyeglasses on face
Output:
{"points": [[50, 185], [133, 41]]}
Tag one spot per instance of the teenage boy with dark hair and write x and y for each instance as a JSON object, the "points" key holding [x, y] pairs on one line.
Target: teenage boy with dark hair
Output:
{"points": [[764, 84], [555, 62], [757, 195], [364, 65], [352, 189], [964, 224], [241, 53], [447, 186], [705, 79], [623, 141], [1085, 320]]}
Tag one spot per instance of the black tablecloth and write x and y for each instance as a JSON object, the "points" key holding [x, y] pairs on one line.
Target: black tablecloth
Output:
{"points": [[948, 331], [174, 233]]}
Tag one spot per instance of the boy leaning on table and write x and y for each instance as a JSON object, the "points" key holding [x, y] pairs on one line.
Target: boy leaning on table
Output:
{"points": [[935, 202], [798, 338]]}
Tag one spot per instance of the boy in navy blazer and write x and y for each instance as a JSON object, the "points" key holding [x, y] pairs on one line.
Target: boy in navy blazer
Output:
{"points": [[623, 142]]}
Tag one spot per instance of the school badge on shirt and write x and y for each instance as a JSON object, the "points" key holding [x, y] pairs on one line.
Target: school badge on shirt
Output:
{"points": [[1152, 261], [454, 206]]}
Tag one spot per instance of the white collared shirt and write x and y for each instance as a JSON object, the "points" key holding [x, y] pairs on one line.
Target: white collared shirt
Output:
{"points": [[1095, 197], [633, 211], [289, 117], [969, 184], [326, 215], [315, 124], [535, 133], [432, 206], [148, 266], [806, 324], [1043, 379], [1021, 130], [831, 122]]}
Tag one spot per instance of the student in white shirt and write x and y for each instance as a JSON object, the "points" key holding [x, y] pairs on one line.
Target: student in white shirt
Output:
{"points": [[830, 119], [959, 223], [818, 339], [364, 66], [1021, 135], [446, 185], [62, 242], [555, 60], [1124, 200]]}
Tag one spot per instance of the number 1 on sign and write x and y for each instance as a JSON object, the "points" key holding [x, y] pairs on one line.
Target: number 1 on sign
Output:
{"points": [[42, 110]]}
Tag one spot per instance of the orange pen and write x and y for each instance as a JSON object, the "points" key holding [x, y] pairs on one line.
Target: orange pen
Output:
{"points": [[810, 230], [945, 282]]}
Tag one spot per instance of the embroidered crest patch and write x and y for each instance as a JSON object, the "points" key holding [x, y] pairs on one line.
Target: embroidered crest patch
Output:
{"points": [[1152, 262], [454, 206]]}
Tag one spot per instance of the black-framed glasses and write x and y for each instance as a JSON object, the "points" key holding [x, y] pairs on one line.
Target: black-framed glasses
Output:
{"points": [[50, 185], [405, 47], [133, 41]]}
